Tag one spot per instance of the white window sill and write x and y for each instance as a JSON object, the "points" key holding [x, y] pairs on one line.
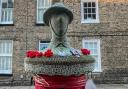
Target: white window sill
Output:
{"points": [[5, 72], [97, 71], [39, 22], [6, 22], [89, 22]]}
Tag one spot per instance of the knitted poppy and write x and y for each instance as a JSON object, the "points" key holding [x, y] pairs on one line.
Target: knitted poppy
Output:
{"points": [[33, 54], [48, 53], [85, 51]]}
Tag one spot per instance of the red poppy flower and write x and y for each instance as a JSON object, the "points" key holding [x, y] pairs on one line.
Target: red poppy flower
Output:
{"points": [[48, 53], [39, 54], [85, 51], [33, 54], [30, 54]]}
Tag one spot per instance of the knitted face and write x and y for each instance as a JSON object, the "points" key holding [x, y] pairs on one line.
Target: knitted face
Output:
{"points": [[59, 24]]}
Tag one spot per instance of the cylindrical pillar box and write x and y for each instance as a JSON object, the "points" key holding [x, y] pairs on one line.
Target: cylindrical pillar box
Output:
{"points": [[59, 82]]}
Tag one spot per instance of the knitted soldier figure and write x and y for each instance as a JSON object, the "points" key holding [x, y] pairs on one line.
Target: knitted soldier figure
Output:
{"points": [[58, 17]]}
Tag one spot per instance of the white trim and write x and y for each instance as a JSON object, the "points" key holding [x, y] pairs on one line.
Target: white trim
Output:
{"points": [[98, 49], [9, 71], [11, 22], [0, 10], [2, 55], [12, 57], [6, 22], [5, 72], [97, 12], [43, 7]]}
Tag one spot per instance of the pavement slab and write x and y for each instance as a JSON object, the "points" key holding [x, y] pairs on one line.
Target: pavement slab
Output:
{"points": [[99, 86], [112, 86]]}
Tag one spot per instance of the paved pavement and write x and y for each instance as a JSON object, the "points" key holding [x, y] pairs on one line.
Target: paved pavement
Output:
{"points": [[101, 86], [112, 86]]}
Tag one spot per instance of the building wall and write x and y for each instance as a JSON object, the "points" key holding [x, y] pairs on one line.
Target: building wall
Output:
{"points": [[112, 31]]}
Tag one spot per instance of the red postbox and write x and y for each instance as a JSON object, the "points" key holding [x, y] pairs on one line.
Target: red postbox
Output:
{"points": [[60, 82]]}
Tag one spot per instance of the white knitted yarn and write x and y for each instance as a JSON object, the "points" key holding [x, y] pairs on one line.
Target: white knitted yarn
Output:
{"points": [[75, 69]]}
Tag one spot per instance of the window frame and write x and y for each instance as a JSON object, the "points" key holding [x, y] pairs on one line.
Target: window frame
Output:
{"points": [[37, 7], [82, 12], [9, 55], [99, 69], [8, 22], [45, 42]]}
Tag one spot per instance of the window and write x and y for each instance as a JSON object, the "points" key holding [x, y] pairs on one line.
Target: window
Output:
{"points": [[42, 5], [89, 11], [6, 48], [94, 47], [6, 11], [43, 45]]}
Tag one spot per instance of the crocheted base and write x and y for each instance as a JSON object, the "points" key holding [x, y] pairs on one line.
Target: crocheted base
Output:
{"points": [[59, 66], [76, 69]]}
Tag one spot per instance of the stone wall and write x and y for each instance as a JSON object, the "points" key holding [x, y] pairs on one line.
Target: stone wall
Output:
{"points": [[114, 58], [112, 31]]}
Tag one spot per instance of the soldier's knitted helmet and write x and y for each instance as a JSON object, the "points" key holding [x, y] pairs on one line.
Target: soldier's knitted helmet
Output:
{"points": [[56, 8]]}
